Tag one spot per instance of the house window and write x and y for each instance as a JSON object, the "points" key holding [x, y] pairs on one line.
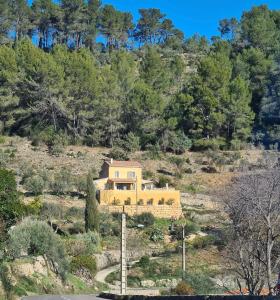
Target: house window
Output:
{"points": [[117, 174], [130, 174]]}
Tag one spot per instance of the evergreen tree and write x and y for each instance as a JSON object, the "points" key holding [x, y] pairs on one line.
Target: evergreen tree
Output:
{"points": [[91, 210]]}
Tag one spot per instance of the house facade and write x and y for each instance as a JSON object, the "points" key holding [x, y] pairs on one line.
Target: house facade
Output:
{"points": [[122, 188]]}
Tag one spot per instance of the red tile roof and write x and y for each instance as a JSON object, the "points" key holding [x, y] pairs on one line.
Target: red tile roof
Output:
{"points": [[123, 163]]}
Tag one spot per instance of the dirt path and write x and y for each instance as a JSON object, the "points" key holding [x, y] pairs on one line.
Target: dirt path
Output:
{"points": [[115, 289]]}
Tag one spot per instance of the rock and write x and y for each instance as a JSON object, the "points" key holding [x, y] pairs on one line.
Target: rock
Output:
{"points": [[171, 283], [147, 283]]}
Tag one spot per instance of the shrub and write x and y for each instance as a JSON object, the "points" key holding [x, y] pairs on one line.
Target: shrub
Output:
{"points": [[2, 139], [127, 201], [146, 219], [81, 184], [36, 238], [140, 202], [163, 180], [62, 181], [4, 158], [144, 261], [150, 201], [75, 212], [183, 288], [51, 210], [148, 174], [161, 201], [83, 262], [170, 201], [35, 185], [201, 242], [34, 207], [156, 235], [91, 241], [116, 201]]}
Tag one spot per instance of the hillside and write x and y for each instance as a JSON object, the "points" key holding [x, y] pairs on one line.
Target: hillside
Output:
{"points": [[197, 174]]}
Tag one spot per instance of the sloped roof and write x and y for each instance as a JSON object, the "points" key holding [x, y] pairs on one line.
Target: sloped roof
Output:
{"points": [[123, 163]]}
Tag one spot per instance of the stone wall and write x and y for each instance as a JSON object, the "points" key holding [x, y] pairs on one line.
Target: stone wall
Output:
{"points": [[159, 211]]}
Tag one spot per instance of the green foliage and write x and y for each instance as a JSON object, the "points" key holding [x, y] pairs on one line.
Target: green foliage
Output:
{"points": [[10, 206], [91, 210], [163, 180], [144, 261], [146, 219], [201, 242], [2, 139], [73, 88], [62, 182], [35, 185], [83, 262], [36, 238], [156, 235]]}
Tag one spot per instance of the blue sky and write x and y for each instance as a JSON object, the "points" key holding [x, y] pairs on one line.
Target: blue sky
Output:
{"points": [[194, 16]]}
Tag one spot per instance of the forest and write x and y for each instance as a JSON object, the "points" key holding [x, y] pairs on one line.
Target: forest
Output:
{"points": [[79, 72]]}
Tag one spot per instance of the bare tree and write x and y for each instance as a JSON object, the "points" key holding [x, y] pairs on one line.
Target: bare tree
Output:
{"points": [[253, 205]]}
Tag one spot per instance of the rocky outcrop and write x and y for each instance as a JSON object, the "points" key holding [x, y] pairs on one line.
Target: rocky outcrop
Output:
{"points": [[112, 257], [168, 283]]}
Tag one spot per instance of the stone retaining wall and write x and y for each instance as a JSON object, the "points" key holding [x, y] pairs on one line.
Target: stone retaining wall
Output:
{"points": [[159, 211]]}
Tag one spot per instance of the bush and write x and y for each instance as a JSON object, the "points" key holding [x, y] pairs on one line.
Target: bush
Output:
{"points": [[51, 210], [2, 139], [62, 182], [35, 185], [83, 262], [183, 288], [91, 241], [36, 238], [156, 235], [75, 212], [34, 207], [163, 180], [81, 184], [201, 242], [148, 174], [146, 219], [144, 261]]}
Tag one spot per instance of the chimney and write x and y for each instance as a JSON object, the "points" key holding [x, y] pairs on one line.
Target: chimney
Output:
{"points": [[167, 186], [111, 160]]}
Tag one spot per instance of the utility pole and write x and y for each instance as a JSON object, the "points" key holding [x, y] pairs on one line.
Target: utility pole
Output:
{"points": [[183, 253], [123, 256]]}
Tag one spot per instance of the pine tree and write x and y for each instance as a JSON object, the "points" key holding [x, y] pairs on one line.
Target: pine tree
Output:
{"points": [[91, 211]]}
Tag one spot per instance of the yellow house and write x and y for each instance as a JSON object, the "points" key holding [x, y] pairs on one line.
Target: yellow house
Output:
{"points": [[121, 188]]}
